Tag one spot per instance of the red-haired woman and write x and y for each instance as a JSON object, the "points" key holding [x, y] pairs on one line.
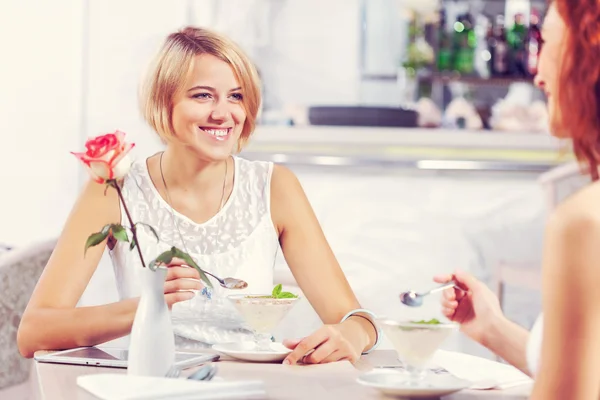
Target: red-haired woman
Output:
{"points": [[562, 351]]}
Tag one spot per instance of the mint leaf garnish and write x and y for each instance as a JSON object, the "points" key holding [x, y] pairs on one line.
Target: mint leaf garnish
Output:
{"points": [[278, 294], [432, 321], [287, 295]]}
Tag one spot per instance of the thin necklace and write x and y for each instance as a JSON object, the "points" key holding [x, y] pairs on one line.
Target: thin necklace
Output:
{"points": [[170, 203]]}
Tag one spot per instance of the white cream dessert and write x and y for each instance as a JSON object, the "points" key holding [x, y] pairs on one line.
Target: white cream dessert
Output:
{"points": [[262, 313], [416, 342]]}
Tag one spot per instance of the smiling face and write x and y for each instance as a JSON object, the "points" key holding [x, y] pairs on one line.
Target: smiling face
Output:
{"points": [[208, 113], [547, 78]]}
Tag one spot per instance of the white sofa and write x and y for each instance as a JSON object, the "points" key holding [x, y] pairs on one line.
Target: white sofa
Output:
{"points": [[20, 270]]}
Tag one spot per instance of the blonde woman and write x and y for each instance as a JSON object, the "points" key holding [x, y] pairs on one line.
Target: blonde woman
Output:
{"points": [[231, 214]]}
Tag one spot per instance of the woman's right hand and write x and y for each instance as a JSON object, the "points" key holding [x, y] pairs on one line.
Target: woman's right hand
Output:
{"points": [[181, 280], [476, 308]]}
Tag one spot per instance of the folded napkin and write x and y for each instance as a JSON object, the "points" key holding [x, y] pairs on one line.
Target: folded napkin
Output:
{"points": [[126, 387], [484, 373]]}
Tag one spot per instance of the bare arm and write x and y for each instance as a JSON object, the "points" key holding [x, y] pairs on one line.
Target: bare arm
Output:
{"points": [[51, 319], [309, 256], [570, 359], [508, 341]]}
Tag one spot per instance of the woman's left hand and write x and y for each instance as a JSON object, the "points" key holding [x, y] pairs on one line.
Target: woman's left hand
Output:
{"points": [[330, 343]]}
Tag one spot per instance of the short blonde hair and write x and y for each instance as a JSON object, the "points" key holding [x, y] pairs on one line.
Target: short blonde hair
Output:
{"points": [[171, 70]]}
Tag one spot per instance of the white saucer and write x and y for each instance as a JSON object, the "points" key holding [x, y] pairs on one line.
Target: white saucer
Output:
{"points": [[394, 383], [247, 351]]}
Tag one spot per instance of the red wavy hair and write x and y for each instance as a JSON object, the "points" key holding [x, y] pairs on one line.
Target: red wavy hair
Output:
{"points": [[578, 97]]}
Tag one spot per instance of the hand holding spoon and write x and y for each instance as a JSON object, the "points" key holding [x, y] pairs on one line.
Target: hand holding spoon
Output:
{"points": [[414, 299]]}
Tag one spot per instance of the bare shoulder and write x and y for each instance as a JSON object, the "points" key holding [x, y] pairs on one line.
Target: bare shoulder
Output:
{"points": [[100, 193], [283, 175], [572, 247], [580, 211], [289, 204], [96, 206], [284, 182]]}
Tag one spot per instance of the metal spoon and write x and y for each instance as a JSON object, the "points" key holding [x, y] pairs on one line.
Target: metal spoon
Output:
{"points": [[229, 283], [414, 299], [205, 373]]}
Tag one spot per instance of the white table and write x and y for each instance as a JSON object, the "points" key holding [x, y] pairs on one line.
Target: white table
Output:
{"points": [[331, 381]]}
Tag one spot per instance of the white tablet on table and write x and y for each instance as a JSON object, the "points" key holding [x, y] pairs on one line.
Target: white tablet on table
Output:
{"points": [[113, 357]]}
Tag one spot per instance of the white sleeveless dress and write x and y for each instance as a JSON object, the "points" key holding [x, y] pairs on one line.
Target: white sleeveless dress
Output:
{"points": [[534, 345], [239, 241]]}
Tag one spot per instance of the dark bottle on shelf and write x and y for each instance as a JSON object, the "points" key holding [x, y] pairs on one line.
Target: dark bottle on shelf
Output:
{"points": [[499, 49], [464, 44], [471, 40], [516, 38], [533, 44], [444, 56]]}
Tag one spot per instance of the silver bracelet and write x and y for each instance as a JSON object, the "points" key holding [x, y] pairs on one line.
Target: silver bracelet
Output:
{"points": [[377, 330]]}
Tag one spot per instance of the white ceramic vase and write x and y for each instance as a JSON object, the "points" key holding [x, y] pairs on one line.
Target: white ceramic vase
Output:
{"points": [[152, 343]]}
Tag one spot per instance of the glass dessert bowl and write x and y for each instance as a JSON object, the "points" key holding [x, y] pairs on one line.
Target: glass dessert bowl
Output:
{"points": [[262, 313], [416, 342]]}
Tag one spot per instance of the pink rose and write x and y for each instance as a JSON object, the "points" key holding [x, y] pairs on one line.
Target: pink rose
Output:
{"points": [[106, 156]]}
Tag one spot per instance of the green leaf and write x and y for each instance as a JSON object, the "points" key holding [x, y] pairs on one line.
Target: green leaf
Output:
{"points": [[151, 229], [286, 295], [132, 245], [119, 233], [433, 321], [163, 258], [94, 239], [278, 294], [277, 290], [189, 261], [106, 228]]}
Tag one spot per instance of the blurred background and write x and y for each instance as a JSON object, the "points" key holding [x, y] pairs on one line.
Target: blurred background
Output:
{"points": [[413, 125]]}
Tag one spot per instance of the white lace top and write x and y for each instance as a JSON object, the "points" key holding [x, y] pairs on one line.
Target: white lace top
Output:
{"points": [[240, 241]]}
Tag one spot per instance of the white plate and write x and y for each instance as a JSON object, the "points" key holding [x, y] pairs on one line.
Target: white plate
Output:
{"points": [[247, 351], [394, 383]]}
